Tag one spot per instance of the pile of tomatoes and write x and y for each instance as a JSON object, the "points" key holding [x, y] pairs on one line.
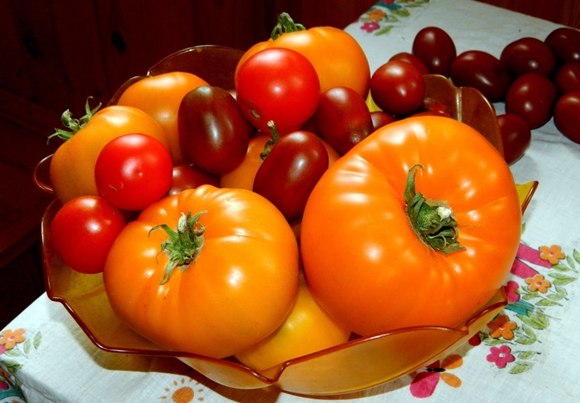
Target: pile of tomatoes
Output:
{"points": [[229, 222]]}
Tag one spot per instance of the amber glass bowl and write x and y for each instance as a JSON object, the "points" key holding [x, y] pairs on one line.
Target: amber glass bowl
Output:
{"points": [[358, 364]]}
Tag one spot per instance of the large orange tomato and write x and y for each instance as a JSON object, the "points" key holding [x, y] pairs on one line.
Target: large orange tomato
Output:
{"points": [[417, 225], [306, 330], [230, 284], [72, 167], [337, 57], [160, 96]]}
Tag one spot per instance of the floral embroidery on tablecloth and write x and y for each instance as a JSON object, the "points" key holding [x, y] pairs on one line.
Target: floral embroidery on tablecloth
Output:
{"points": [[426, 381], [385, 14], [184, 390], [14, 346]]}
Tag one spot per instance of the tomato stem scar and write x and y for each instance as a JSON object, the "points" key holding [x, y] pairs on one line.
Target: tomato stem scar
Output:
{"points": [[183, 245], [272, 140], [432, 220]]}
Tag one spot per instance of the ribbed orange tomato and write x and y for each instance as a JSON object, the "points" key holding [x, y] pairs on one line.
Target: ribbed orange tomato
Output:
{"points": [[230, 285], [337, 57], [417, 225]]}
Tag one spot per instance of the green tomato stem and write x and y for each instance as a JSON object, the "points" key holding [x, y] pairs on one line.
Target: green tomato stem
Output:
{"points": [[432, 220], [74, 125], [285, 25], [183, 245], [274, 137]]}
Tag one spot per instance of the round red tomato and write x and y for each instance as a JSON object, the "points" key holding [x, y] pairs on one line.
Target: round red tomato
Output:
{"points": [[279, 85], [133, 171], [532, 96], [565, 43], [568, 77], [371, 259], [398, 88], [567, 115], [528, 55], [516, 136], [190, 177], [83, 231]]}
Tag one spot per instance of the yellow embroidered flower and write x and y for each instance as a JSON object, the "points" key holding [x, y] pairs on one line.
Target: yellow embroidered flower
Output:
{"points": [[502, 327], [538, 283], [10, 338], [376, 15], [551, 254]]}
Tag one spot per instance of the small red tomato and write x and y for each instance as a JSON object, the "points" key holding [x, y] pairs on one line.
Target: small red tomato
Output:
{"points": [[567, 115], [528, 55], [482, 71], [532, 96], [133, 171], [280, 85], [565, 43], [381, 119], [83, 231], [398, 88], [411, 58], [516, 136], [435, 48], [568, 77], [190, 177]]}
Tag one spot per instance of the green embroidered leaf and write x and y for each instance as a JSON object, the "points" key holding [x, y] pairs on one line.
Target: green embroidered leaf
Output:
{"points": [[547, 302], [558, 294], [12, 366], [561, 279], [385, 30], [13, 352], [525, 340], [521, 367], [525, 355], [26, 346], [576, 256], [536, 319], [560, 267], [530, 295], [570, 261], [494, 342], [37, 340], [402, 12]]}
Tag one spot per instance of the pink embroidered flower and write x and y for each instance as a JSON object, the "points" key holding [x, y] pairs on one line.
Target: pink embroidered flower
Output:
{"points": [[426, 381], [2, 349], [552, 254], [500, 356], [538, 283], [502, 327], [510, 289], [370, 26]]}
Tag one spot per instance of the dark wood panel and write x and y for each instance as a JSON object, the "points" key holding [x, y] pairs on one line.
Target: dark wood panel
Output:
{"points": [[566, 12]]}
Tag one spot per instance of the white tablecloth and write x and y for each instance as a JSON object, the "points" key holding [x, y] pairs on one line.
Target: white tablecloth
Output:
{"points": [[533, 357]]}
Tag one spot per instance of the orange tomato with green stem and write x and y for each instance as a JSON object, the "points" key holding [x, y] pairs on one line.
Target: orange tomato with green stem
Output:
{"points": [[417, 225], [336, 56], [211, 271]]}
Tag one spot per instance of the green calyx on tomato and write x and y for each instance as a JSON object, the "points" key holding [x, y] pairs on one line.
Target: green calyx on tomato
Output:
{"points": [[274, 137], [183, 245], [432, 220], [74, 125], [285, 24]]}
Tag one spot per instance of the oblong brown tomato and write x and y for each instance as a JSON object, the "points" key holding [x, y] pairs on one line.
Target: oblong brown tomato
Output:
{"points": [[72, 168], [238, 288], [436, 49], [337, 57], [516, 136], [306, 330], [160, 96], [528, 55], [213, 132], [343, 118], [532, 96], [482, 71], [565, 43], [380, 119], [567, 115], [363, 261], [289, 172], [567, 77], [190, 177]]}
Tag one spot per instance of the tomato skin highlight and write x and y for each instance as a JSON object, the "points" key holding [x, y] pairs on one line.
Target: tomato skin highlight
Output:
{"points": [[83, 231], [216, 306], [365, 264]]}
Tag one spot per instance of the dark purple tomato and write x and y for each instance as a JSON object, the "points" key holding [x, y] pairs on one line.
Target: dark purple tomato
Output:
{"points": [[567, 77], [290, 172], [516, 136], [528, 55], [565, 44], [381, 118], [411, 58], [435, 48], [532, 97], [213, 132], [567, 115], [343, 118], [482, 71], [398, 88], [190, 177]]}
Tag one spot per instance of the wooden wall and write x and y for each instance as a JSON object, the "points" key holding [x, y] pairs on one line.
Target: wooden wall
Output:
{"points": [[566, 12]]}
